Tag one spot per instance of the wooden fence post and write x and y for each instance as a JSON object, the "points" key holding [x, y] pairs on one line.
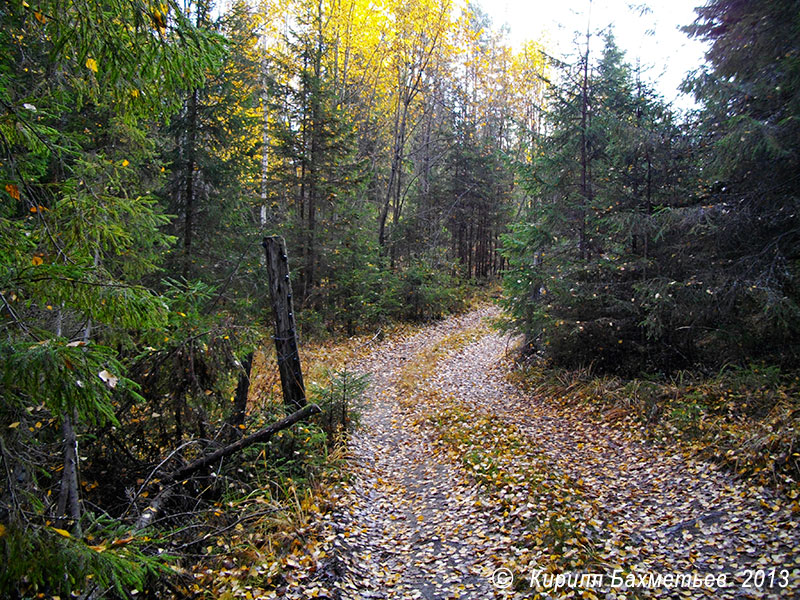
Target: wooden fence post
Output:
{"points": [[280, 290]]}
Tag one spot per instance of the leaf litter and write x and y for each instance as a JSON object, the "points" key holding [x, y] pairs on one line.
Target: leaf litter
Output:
{"points": [[456, 473]]}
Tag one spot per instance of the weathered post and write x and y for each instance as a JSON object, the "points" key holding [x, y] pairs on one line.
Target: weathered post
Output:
{"points": [[280, 290]]}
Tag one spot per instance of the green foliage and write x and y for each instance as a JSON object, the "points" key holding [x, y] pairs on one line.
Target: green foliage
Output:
{"points": [[470, 199], [426, 290], [341, 401], [317, 189], [750, 92], [82, 224], [69, 378], [580, 262], [81, 84], [630, 259], [293, 459], [186, 371], [51, 561], [327, 185], [749, 123], [212, 154]]}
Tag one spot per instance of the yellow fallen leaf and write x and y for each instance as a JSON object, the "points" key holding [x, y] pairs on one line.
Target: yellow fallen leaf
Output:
{"points": [[91, 64], [122, 541], [63, 532], [125, 162], [36, 261], [14, 425], [99, 548]]}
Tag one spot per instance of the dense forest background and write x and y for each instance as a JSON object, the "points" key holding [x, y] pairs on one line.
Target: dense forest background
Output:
{"points": [[407, 153]]}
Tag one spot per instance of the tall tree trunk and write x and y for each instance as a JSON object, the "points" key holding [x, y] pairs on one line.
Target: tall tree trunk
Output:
{"points": [[469, 250], [315, 150], [303, 198], [68, 497], [585, 158], [408, 82], [265, 141], [69, 492], [393, 186], [240, 397], [425, 175], [188, 219]]}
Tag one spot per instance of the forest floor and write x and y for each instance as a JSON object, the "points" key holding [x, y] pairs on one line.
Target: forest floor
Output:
{"points": [[461, 486]]}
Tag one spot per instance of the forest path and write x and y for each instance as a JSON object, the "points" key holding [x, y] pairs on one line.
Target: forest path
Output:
{"points": [[456, 473]]}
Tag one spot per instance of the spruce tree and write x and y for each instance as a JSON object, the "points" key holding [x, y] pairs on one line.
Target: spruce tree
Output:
{"points": [[317, 182], [750, 127], [80, 227], [586, 250]]}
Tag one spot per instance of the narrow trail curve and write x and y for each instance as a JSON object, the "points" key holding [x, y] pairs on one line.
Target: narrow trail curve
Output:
{"points": [[413, 524]]}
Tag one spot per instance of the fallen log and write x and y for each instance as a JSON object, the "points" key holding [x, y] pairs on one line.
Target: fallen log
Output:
{"points": [[155, 507], [157, 504]]}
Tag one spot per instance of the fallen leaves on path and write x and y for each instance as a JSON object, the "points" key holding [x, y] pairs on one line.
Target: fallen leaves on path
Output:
{"points": [[646, 510], [456, 473]]}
